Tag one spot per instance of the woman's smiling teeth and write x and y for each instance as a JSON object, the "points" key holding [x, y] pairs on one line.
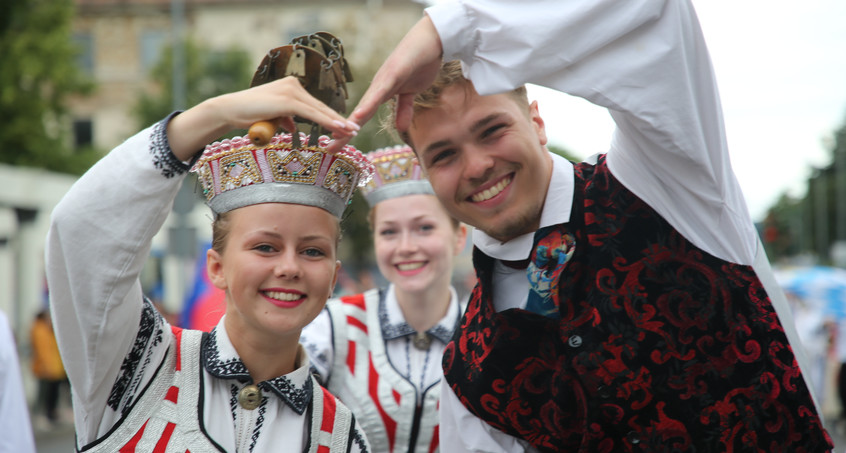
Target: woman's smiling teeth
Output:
{"points": [[279, 295], [491, 192], [410, 266]]}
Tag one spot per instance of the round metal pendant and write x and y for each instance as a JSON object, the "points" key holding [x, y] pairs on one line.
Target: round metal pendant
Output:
{"points": [[249, 397], [422, 341]]}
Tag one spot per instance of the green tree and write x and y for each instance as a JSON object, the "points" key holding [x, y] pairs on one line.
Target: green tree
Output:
{"points": [[207, 74], [810, 224], [38, 75], [563, 152]]}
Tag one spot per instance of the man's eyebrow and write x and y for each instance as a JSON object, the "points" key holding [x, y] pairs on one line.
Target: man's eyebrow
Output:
{"points": [[436, 145], [481, 124]]}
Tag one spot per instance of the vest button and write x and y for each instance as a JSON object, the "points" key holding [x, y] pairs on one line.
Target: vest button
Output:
{"points": [[575, 341], [633, 437], [605, 391]]}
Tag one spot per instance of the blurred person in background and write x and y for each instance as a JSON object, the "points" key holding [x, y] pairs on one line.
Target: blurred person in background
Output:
{"points": [[380, 351], [15, 426], [47, 366]]}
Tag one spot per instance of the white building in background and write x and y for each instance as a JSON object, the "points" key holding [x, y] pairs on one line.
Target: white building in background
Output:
{"points": [[122, 40], [26, 201]]}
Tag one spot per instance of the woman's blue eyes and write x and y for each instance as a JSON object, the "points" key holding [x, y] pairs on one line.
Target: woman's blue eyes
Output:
{"points": [[311, 252], [423, 228]]}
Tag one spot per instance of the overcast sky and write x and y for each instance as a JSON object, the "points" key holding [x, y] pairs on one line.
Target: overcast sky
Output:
{"points": [[781, 69]]}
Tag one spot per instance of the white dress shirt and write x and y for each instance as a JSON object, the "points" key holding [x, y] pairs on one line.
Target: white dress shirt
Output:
{"points": [[647, 63]]}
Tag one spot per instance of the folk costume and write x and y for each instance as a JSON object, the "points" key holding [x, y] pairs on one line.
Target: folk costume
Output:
{"points": [[140, 384], [647, 318], [385, 372]]}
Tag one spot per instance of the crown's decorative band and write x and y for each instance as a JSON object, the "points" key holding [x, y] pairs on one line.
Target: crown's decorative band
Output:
{"points": [[235, 173], [396, 174]]}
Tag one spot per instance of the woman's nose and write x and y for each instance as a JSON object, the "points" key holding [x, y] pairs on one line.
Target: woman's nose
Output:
{"points": [[408, 243], [287, 266]]}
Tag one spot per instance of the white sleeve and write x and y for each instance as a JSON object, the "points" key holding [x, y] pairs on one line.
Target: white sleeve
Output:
{"points": [[646, 62], [99, 240], [461, 431], [14, 412], [316, 339]]}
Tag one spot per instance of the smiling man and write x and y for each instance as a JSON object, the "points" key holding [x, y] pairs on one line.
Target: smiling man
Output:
{"points": [[622, 304]]}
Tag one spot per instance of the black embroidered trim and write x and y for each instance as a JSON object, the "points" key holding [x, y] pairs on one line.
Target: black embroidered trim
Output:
{"points": [[259, 422], [394, 331], [297, 398], [316, 355], [357, 438], [233, 403], [131, 369], [229, 369], [163, 158]]}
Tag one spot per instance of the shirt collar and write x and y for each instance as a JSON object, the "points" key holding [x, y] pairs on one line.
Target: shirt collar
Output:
{"points": [[394, 325], [556, 210], [222, 361]]}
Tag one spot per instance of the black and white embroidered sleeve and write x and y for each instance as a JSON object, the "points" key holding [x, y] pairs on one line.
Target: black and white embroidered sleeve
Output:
{"points": [[163, 158]]}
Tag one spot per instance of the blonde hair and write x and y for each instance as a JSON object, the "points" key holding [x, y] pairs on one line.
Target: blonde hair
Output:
{"points": [[449, 75]]}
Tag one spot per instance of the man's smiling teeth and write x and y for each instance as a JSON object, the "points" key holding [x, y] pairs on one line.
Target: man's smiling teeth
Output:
{"points": [[279, 295], [487, 194], [409, 266]]}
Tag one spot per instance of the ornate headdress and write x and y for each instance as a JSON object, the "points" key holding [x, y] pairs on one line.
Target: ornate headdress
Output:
{"points": [[235, 173], [266, 168], [396, 174]]}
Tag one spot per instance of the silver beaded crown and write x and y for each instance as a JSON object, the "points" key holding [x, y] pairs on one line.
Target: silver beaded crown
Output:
{"points": [[235, 173], [396, 174]]}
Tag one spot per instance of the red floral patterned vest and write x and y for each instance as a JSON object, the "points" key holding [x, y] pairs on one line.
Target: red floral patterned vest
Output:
{"points": [[633, 339]]}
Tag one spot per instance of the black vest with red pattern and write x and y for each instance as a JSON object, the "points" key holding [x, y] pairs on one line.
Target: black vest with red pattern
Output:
{"points": [[640, 341]]}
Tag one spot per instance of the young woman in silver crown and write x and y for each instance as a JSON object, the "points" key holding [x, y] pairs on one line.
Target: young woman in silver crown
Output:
{"points": [[140, 384], [383, 358]]}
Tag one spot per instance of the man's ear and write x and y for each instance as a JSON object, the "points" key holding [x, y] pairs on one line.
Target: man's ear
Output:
{"points": [[214, 269], [537, 121]]}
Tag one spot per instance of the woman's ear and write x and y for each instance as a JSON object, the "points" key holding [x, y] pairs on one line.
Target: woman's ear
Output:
{"points": [[460, 238], [335, 277], [214, 269]]}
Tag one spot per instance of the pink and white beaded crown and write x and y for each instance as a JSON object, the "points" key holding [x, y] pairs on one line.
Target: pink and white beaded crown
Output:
{"points": [[396, 174], [235, 173]]}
